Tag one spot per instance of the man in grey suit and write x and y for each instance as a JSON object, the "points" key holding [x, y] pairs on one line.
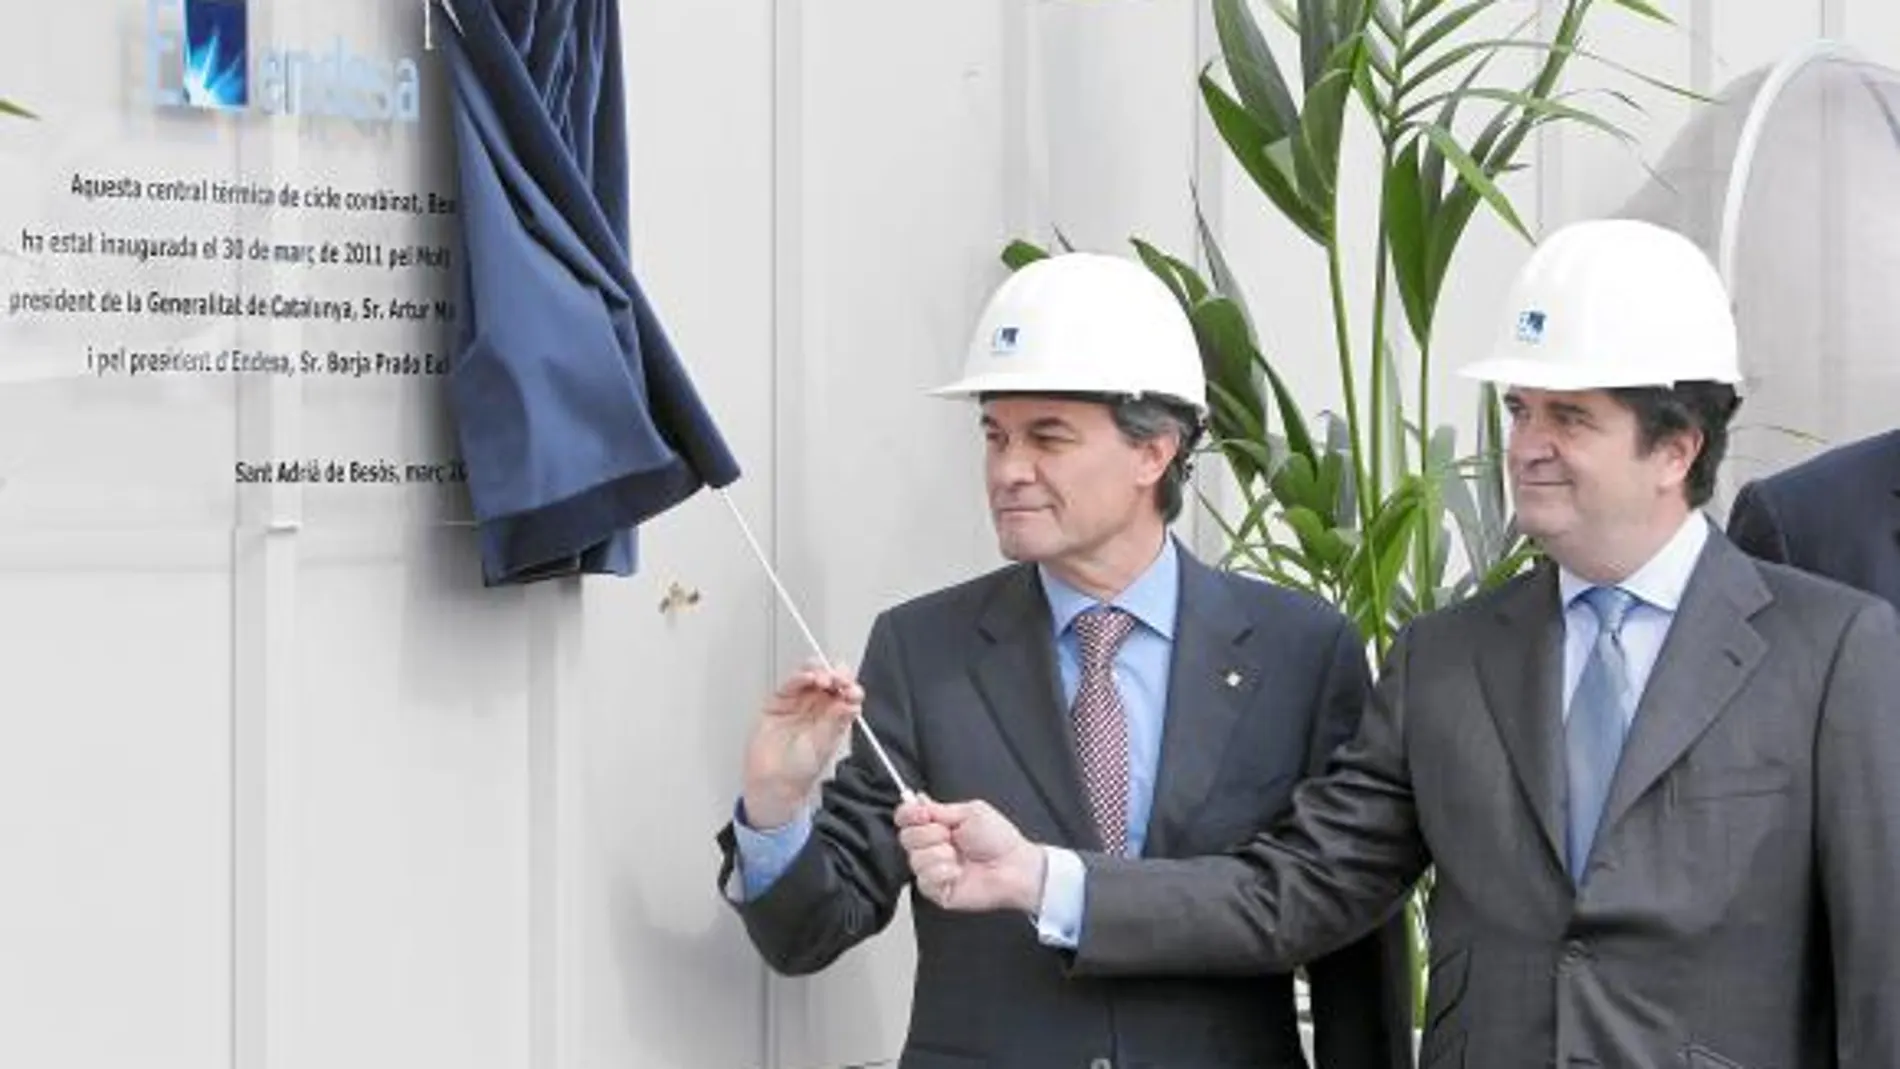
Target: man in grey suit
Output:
{"points": [[1659, 782], [1108, 691], [1836, 514]]}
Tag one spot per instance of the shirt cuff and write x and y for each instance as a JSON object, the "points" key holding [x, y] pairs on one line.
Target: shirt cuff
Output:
{"points": [[1059, 919], [764, 853]]}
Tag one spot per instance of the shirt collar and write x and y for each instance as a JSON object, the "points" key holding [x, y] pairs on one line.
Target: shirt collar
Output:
{"points": [[1152, 598], [1661, 581]]}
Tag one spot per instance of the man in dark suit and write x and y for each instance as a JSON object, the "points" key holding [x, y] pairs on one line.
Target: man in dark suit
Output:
{"points": [[1837, 514], [1658, 781], [1108, 691]]}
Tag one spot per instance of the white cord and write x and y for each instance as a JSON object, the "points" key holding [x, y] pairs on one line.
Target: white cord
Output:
{"points": [[786, 599], [428, 21]]}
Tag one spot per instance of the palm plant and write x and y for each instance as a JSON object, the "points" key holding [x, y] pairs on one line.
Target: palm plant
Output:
{"points": [[1362, 506]]}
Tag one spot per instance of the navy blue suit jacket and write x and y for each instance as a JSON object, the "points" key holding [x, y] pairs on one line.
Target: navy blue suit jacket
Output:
{"points": [[1836, 515]]}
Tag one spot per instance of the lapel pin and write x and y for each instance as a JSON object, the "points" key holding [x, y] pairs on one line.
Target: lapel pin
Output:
{"points": [[1233, 678]]}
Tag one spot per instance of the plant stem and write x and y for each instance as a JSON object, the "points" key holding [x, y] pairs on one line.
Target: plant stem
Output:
{"points": [[1388, 121], [1427, 592], [1381, 631], [1342, 337], [1379, 400]]}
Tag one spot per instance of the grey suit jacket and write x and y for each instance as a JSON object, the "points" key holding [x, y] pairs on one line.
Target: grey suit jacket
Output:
{"points": [[1837, 514], [1738, 908], [961, 687]]}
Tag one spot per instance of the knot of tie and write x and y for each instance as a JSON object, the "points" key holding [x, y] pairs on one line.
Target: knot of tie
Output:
{"points": [[1611, 605], [1100, 632]]}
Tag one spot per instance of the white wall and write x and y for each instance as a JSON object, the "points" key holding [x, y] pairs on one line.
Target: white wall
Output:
{"points": [[298, 797]]}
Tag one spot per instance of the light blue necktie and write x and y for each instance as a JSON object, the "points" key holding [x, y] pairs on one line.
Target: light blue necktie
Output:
{"points": [[1598, 719]]}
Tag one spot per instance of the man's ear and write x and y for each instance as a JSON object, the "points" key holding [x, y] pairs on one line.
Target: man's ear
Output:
{"points": [[1156, 454], [1679, 452]]}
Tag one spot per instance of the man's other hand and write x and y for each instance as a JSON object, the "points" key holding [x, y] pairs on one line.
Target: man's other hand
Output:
{"points": [[969, 858], [794, 740]]}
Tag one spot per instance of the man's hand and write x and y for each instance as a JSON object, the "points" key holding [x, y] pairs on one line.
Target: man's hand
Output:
{"points": [[969, 858], [794, 741]]}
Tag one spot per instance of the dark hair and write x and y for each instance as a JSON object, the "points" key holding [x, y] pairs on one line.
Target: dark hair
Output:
{"points": [[1142, 419], [1663, 412]]}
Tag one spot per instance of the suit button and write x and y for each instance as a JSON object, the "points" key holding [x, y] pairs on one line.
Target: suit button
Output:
{"points": [[1576, 952]]}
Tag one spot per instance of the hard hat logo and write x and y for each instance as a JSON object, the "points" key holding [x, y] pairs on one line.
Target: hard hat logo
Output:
{"points": [[1083, 323], [1530, 327]]}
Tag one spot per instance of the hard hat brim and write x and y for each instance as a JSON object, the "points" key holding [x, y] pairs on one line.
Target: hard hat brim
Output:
{"points": [[1545, 375], [1057, 383]]}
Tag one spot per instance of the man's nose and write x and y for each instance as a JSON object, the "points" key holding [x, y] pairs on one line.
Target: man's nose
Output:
{"points": [[1012, 466], [1527, 442]]}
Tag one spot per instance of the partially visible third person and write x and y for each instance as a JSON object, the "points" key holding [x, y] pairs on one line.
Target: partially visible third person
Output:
{"points": [[1836, 514]]}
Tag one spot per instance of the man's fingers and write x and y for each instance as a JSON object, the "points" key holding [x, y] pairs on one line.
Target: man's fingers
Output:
{"points": [[843, 696], [921, 836], [912, 813], [956, 814], [929, 857], [847, 691], [837, 680], [937, 891], [938, 880], [921, 809], [801, 682], [934, 859]]}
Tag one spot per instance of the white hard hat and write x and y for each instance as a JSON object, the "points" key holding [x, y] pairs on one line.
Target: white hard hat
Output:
{"points": [[1083, 323], [1612, 303]]}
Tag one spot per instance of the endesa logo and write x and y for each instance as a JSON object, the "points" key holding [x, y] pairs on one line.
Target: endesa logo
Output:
{"points": [[201, 57]]}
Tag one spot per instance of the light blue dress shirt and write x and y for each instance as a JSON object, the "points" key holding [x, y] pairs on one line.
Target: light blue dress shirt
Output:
{"points": [[1658, 587], [1141, 675]]}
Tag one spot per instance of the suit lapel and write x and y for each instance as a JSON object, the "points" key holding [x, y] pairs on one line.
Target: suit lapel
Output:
{"points": [[1015, 672], [1883, 576], [1521, 673], [1208, 686], [1894, 514], [1888, 456], [1711, 650]]}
